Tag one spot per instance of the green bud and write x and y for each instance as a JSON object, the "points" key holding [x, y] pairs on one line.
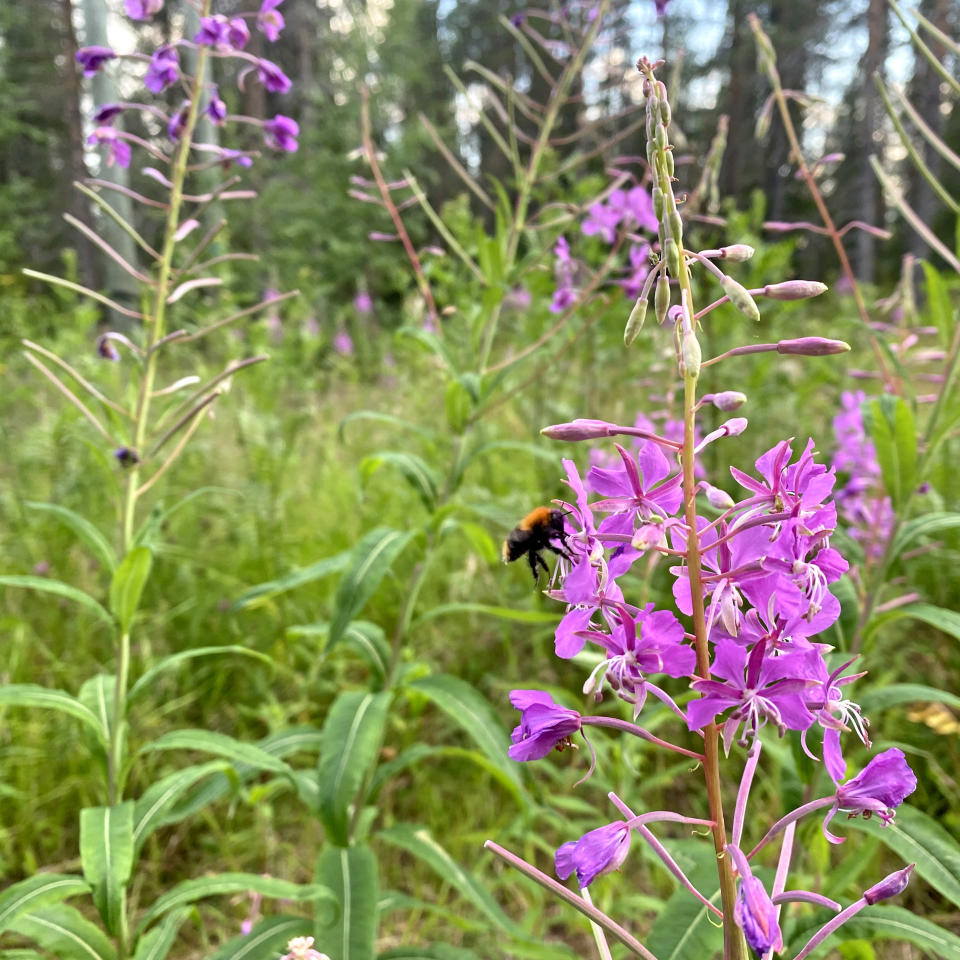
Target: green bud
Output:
{"points": [[676, 225], [661, 137], [661, 298], [670, 163], [740, 298], [665, 113], [658, 203], [671, 253], [737, 252], [635, 321]]}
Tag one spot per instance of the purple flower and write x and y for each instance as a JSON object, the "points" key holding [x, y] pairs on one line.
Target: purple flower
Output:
{"points": [[879, 788], [597, 852], [272, 77], [229, 157], [270, 19], [178, 121], [281, 133], [142, 9], [106, 349], [222, 33], [238, 33], [216, 108], [603, 219], [890, 886], [638, 206], [118, 150], [93, 58], [804, 484], [362, 302], [587, 590], [566, 294], [754, 911], [544, 725], [105, 114], [342, 344], [756, 688], [639, 268], [126, 456], [163, 71]]}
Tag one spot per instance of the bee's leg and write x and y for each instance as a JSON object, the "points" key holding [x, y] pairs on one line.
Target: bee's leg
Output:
{"points": [[542, 563], [532, 558]]}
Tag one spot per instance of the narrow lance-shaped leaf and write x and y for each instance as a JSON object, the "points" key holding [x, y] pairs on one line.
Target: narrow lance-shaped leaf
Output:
{"points": [[352, 735], [66, 933], [266, 941], [40, 890], [82, 527], [127, 585], [46, 585], [106, 852], [351, 932], [33, 695]]}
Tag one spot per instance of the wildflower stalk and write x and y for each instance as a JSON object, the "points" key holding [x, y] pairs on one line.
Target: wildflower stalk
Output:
{"points": [[769, 65], [671, 234], [156, 321]]}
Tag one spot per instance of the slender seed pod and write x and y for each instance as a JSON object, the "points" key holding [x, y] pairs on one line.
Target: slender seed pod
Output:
{"points": [[635, 320], [671, 251], [661, 298]]}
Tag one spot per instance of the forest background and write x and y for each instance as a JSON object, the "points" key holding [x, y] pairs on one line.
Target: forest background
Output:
{"points": [[287, 467]]}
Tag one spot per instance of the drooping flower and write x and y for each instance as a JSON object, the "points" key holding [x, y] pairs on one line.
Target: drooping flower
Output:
{"points": [[142, 9], [879, 788], [544, 725], [178, 121], [216, 108], [118, 150], [164, 70], [106, 113], [281, 133], [754, 912], [106, 349], [890, 886], [272, 77], [270, 20], [93, 58], [222, 32], [595, 853]]}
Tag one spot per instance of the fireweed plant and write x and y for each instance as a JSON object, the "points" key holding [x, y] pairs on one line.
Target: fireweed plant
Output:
{"points": [[752, 576], [146, 428]]}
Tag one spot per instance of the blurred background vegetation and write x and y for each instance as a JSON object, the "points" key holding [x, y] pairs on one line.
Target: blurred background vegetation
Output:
{"points": [[282, 486]]}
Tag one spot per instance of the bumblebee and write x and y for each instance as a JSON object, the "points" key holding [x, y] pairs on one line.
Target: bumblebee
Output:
{"points": [[536, 532]]}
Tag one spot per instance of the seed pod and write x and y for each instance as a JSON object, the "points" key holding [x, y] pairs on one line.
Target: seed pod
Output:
{"points": [[671, 252], [661, 298], [740, 298], [676, 224], [635, 321], [669, 156], [665, 112], [661, 137], [657, 203]]}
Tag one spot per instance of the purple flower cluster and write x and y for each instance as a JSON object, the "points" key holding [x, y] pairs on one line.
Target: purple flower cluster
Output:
{"points": [[228, 36], [865, 508]]}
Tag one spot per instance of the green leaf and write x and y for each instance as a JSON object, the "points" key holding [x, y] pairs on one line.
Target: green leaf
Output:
{"points": [[436, 951], [266, 940], [127, 585], [894, 435], [40, 890], [33, 695], [938, 305], [429, 341], [923, 526], [352, 734], [106, 853], [83, 528], [458, 404], [145, 681], [351, 872], [918, 838], [97, 694], [365, 637], [370, 561], [46, 585], [481, 541], [471, 711], [263, 593], [880, 698], [66, 933], [419, 842], [946, 620], [155, 944], [189, 891], [220, 745], [885, 923], [502, 613], [415, 470], [387, 418], [153, 808]]}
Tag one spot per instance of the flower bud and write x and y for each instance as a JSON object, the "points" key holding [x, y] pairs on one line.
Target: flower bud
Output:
{"points": [[669, 156], [671, 252], [676, 224], [740, 298], [734, 426], [635, 321], [794, 290], [106, 349], [811, 347], [657, 194], [890, 886], [726, 401], [690, 355], [737, 252], [126, 456], [665, 113], [661, 298], [660, 137], [718, 498], [580, 429]]}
